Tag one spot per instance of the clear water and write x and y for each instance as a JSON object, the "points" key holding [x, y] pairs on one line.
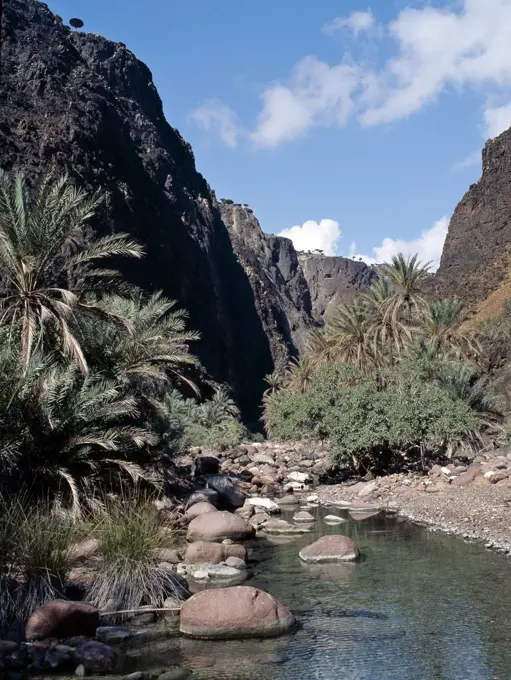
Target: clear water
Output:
{"points": [[418, 606]]}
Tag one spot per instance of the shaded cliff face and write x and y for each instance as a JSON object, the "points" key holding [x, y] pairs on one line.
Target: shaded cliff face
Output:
{"points": [[475, 259], [333, 281], [281, 294], [88, 105]]}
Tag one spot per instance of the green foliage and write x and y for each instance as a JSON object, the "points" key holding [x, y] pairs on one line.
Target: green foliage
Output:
{"points": [[130, 532], [373, 422], [34, 556]]}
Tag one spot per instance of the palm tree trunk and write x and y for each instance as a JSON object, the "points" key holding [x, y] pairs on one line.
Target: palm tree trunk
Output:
{"points": [[1, 17]]}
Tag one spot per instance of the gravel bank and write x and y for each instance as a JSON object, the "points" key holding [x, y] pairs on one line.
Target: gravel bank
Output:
{"points": [[481, 513]]}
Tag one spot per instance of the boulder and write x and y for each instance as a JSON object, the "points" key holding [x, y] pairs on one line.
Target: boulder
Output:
{"points": [[246, 511], [206, 465], [215, 526], [259, 518], [367, 490], [263, 459], [203, 552], [229, 493], [168, 555], [334, 519], [303, 516], [96, 657], [333, 548], [235, 550], [200, 508], [277, 527], [236, 563], [62, 618], [261, 502], [289, 499], [235, 612], [205, 495]]}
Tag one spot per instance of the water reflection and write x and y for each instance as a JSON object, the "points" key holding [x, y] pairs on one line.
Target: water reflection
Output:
{"points": [[418, 606]]}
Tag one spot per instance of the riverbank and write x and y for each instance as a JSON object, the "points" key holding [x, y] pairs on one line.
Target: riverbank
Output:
{"points": [[480, 512]]}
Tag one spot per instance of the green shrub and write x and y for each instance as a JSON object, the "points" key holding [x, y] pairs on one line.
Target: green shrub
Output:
{"points": [[373, 422], [224, 435], [131, 531]]}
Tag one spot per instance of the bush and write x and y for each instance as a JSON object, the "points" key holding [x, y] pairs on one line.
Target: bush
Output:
{"points": [[373, 423], [220, 437], [34, 557], [130, 532]]}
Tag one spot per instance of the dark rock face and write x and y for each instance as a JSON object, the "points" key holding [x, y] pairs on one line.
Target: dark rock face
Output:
{"points": [[333, 281], [475, 259], [281, 294], [88, 105]]}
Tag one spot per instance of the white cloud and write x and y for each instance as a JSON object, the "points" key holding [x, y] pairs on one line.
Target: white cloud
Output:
{"points": [[316, 94], [436, 50], [468, 162], [428, 246], [496, 120], [215, 116], [312, 235], [356, 22]]}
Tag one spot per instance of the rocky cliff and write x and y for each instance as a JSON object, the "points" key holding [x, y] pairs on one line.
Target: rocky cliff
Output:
{"points": [[333, 281], [281, 294], [475, 259], [88, 105]]}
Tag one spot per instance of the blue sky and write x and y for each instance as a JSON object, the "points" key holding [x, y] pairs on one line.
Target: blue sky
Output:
{"points": [[352, 126]]}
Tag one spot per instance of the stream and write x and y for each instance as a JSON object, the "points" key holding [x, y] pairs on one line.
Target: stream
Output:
{"points": [[418, 605]]}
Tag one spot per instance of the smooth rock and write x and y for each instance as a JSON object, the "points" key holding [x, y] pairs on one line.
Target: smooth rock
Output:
{"points": [[204, 552], [62, 618], [206, 465], [215, 526], [205, 495], [333, 548], [300, 477], [280, 526], [266, 503], [289, 499], [235, 612], [334, 519], [303, 516], [198, 509], [263, 458], [96, 657], [236, 563], [229, 492], [259, 518]]}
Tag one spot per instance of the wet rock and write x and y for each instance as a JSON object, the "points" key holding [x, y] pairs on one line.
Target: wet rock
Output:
{"points": [[198, 509], [334, 519], [96, 657], [204, 552], [235, 612], [229, 493], [205, 495], [215, 526], [466, 478], [61, 618], [333, 548], [206, 465], [236, 563], [114, 635], [303, 516], [277, 527], [60, 657]]}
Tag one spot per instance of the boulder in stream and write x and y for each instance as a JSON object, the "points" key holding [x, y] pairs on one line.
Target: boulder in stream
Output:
{"points": [[332, 548], [235, 612], [216, 526]]}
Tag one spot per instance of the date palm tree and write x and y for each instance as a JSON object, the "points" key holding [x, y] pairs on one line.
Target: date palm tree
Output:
{"points": [[348, 334], [156, 348], [442, 324], [47, 267], [405, 276]]}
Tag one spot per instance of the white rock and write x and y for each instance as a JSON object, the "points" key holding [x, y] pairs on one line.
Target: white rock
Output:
{"points": [[300, 477], [200, 575], [303, 517], [489, 474], [334, 519], [261, 502], [447, 472], [313, 498]]}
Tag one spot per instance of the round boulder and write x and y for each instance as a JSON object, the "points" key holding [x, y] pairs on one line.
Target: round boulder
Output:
{"points": [[235, 612], [207, 495], [303, 516], [203, 552], [198, 509], [333, 548], [215, 526], [62, 618], [96, 657]]}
